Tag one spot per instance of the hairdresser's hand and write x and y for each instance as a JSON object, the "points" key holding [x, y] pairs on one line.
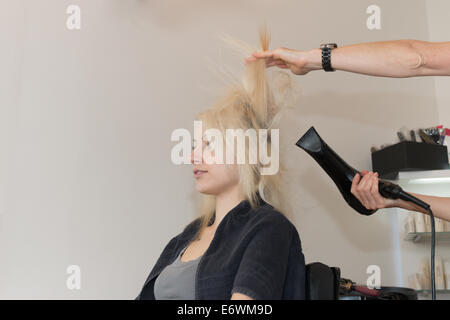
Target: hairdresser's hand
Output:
{"points": [[299, 62], [366, 191]]}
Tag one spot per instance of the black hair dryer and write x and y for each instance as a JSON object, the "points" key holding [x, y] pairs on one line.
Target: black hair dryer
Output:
{"points": [[342, 174]]}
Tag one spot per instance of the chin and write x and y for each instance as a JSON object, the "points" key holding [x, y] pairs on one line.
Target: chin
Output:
{"points": [[205, 190]]}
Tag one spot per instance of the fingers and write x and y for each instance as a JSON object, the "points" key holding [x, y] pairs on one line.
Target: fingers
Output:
{"points": [[381, 202], [354, 189], [249, 60], [361, 189], [365, 189], [282, 58], [278, 63], [270, 61], [259, 55], [355, 183], [374, 191], [269, 55], [368, 189]]}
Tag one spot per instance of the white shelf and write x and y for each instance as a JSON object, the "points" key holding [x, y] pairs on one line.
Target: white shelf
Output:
{"points": [[424, 177], [411, 249], [426, 236]]}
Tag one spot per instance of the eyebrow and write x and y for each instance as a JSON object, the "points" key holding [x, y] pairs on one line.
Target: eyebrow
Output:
{"points": [[203, 137]]}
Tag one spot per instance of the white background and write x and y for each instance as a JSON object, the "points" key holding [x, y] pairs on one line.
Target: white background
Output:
{"points": [[86, 117]]}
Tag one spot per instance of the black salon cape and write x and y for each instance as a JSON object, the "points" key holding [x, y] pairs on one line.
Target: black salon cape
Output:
{"points": [[256, 252]]}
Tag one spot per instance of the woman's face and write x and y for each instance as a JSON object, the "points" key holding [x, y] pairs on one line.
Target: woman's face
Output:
{"points": [[212, 178]]}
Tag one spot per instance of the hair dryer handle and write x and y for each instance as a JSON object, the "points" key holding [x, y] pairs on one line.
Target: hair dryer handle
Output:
{"points": [[393, 191], [388, 189]]}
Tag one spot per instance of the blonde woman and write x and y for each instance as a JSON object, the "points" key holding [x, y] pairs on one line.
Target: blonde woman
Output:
{"points": [[242, 246]]}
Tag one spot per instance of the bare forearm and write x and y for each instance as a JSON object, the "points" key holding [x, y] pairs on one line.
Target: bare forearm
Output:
{"points": [[439, 205], [396, 58]]}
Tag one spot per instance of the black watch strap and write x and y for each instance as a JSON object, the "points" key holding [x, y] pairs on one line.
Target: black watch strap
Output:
{"points": [[326, 56]]}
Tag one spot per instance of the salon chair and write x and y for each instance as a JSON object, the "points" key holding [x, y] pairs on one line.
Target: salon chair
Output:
{"points": [[322, 282], [325, 283]]}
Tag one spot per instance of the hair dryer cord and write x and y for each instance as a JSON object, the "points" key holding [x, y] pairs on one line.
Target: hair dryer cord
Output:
{"points": [[394, 191], [433, 242]]}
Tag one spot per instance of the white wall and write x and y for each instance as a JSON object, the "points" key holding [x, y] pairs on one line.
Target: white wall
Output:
{"points": [[438, 25], [86, 117]]}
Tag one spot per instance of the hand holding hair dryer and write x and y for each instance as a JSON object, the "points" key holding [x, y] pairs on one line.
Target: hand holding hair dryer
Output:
{"points": [[342, 173]]}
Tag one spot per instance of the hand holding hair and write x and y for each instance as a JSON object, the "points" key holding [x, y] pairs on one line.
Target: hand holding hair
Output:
{"points": [[299, 62], [395, 58]]}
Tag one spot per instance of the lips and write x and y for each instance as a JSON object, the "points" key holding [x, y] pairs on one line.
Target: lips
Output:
{"points": [[198, 173]]}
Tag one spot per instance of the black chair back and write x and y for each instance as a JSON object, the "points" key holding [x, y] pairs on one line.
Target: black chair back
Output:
{"points": [[322, 282]]}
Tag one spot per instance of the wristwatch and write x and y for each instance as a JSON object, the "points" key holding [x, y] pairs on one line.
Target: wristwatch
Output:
{"points": [[326, 55]]}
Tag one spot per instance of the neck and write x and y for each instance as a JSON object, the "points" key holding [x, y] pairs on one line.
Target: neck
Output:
{"points": [[226, 201]]}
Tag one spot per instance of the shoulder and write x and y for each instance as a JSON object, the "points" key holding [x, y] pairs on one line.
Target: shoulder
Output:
{"points": [[267, 216], [271, 224]]}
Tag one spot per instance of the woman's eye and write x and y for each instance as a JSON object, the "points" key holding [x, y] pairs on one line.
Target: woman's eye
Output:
{"points": [[209, 144]]}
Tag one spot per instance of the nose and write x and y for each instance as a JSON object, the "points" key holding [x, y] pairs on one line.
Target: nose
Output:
{"points": [[196, 155]]}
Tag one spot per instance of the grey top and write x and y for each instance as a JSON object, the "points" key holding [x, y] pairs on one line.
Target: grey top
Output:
{"points": [[177, 280], [260, 254]]}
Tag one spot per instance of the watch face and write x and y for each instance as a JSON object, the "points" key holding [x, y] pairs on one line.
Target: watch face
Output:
{"points": [[328, 45]]}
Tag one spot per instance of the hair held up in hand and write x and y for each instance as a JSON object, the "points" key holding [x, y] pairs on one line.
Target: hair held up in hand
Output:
{"points": [[253, 101]]}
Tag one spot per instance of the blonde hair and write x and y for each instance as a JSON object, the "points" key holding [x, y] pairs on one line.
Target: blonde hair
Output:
{"points": [[254, 102]]}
